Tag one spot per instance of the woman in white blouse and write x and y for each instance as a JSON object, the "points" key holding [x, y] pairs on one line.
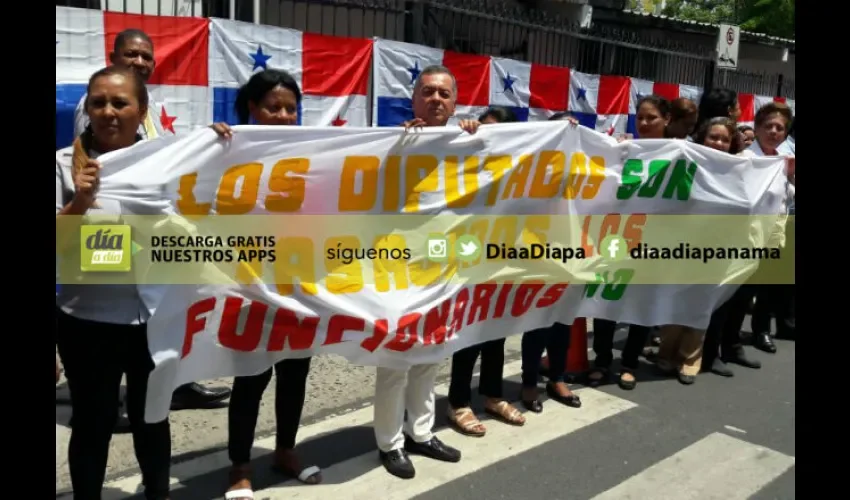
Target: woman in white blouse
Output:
{"points": [[102, 333], [101, 328], [772, 124]]}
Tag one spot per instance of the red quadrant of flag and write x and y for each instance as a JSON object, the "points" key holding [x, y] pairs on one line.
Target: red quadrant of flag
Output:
{"points": [[473, 77], [180, 45], [747, 103], [669, 91], [549, 87], [335, 66], [614, 93]]}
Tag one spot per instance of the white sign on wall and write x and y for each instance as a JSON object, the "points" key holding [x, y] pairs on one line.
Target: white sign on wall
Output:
{"points": [[728, 41]]}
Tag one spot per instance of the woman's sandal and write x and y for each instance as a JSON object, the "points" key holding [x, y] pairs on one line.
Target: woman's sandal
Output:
{"points": [[506, 412], [627, 385], [465, 422], [308, 475], [243, 494], [239, 475], [571, 400]]}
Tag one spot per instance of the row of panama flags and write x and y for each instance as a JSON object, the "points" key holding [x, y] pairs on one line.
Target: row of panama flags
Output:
{"points": [[201, 62]]}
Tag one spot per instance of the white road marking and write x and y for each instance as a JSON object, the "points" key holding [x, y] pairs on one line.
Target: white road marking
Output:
{"points": [[363, 476], [120, 488], [717, 467], [477, 453]]}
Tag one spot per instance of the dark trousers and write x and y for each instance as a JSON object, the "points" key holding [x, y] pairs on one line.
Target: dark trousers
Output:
{"points": [[778, 301], [603, 344], [96, 355], [723, 335], [290, 392], [492, 368], [555, 340]]}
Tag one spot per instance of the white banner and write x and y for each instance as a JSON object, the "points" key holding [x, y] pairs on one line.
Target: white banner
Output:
{"points": [[206, 331]]}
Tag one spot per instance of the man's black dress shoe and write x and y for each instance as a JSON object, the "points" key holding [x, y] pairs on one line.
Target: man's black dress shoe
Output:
{"points": [[397, 463], [434, 448], [196, 396], [763, 342]]}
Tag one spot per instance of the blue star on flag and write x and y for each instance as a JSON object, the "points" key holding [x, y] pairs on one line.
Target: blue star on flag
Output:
{"points": [[259, 58], [582, 94], [414, 72], [508, 83]]}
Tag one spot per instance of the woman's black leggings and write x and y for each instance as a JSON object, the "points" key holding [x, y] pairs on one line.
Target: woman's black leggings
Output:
{"points": [[290, 392], [96, 355]]}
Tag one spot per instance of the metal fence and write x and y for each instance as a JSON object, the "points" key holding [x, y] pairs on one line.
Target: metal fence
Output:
{"points": [[755, 83], [487, 27]]}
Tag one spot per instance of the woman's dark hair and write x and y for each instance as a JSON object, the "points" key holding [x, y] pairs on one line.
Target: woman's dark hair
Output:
{"points": [[562, 115], [735, 143], [258, 86], [744, 128], [500, 114], [716, 102], [682, 108], [139, 87], [660, 103]]}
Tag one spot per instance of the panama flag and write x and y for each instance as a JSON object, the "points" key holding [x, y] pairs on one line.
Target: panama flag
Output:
{"points": [[397, 66], [332, 72], [600, 102], [532, 91], [84, 40]]}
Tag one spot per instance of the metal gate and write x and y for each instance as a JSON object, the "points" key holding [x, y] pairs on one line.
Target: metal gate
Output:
{"points": [[480, 27]]}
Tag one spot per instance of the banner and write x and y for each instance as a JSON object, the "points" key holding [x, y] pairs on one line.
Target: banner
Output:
{"points": [[414, 302]]}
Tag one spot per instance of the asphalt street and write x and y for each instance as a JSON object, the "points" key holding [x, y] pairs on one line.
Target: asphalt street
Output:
{"points": [[720, 438]]}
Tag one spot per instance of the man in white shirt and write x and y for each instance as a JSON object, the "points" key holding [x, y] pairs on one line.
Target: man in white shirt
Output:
{"points": [[134, 49], [412, 390]]}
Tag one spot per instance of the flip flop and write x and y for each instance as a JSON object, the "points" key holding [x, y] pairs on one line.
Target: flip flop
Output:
{"points": [[304, 476], [243, 494]]}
